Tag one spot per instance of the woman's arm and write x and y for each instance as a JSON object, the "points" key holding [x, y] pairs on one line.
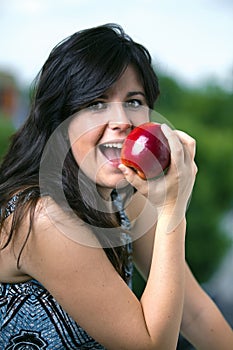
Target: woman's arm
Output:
{"points": [[203, 324], [86, 285]]}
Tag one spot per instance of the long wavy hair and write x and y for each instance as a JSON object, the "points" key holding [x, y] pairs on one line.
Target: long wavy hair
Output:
{"points": [[78, 70]]}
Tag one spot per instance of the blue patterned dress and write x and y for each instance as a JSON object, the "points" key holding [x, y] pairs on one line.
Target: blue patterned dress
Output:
{"points": [[30, 318]]}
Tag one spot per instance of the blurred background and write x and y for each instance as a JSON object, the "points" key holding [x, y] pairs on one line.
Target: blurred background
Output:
{"points": [[191, 47]]}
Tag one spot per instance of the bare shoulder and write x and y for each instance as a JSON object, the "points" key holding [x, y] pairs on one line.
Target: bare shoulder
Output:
{"points": [[52, 218], [50, 224], [63, 254]]}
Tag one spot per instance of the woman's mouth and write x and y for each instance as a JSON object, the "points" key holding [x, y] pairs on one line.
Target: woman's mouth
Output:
{"points": [[112, 151]]}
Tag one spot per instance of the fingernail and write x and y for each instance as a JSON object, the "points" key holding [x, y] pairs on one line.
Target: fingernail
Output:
{"points": [[164, 127]]}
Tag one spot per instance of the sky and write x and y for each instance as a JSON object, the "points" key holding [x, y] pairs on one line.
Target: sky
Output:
{"points": [[189, 39]]}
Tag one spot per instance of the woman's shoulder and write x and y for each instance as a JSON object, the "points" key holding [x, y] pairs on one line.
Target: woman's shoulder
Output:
{"points": [[50, 217], [49, 229]]}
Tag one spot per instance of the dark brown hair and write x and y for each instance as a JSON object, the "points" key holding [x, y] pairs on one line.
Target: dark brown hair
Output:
{"points": [[78, 70]]}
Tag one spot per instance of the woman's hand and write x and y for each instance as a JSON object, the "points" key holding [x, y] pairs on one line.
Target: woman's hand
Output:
{"points": [[171, 192]]}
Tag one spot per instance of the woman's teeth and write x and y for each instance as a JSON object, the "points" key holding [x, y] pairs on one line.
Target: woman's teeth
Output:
{"points": [[111, 145]]}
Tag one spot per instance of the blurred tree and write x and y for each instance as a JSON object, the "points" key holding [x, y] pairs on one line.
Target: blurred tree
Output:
{"points": [[204, 113], [6, 130], [8, 105], [8, 94]]}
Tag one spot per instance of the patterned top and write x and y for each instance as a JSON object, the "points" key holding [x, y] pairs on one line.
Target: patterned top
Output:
{"points": [[30, 318]]}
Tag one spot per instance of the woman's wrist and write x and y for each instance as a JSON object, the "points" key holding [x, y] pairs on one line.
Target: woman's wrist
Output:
{"points": [[170, 218]]}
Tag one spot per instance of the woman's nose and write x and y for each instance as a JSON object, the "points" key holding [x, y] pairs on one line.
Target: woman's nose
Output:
{"points": [[119, 119]]}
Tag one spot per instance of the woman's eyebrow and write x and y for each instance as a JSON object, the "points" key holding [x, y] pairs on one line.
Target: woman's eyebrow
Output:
{"points": [[129, 94], [133, 93]]}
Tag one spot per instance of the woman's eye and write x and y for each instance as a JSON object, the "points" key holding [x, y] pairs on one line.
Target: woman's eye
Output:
{"points": [[97, 105], [133, 103]]}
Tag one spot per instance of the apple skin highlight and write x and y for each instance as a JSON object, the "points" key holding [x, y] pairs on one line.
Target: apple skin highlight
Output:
{"points": [[146, 151]]}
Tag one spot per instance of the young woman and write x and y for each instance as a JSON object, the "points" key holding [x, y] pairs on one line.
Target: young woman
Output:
{"points": [[74, 219]]}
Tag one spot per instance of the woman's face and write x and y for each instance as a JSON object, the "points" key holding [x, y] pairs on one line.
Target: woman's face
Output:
{"points": [[97, 132]]}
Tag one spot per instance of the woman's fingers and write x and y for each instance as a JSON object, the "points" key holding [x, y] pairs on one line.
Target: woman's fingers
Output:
{"points": [[175, 143], [154, 189], [188, 142], [131, 176], [183, 146]]}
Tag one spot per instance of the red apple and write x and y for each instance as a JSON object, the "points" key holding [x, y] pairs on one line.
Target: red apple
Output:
{"points": [[146, 150]]}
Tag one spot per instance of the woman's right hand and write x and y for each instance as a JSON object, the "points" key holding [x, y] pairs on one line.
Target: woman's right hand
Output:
{"points": [[170, 193]]}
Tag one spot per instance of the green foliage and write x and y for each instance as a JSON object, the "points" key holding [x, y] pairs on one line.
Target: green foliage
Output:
{"points": [[6, 130], [205, 114]]}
